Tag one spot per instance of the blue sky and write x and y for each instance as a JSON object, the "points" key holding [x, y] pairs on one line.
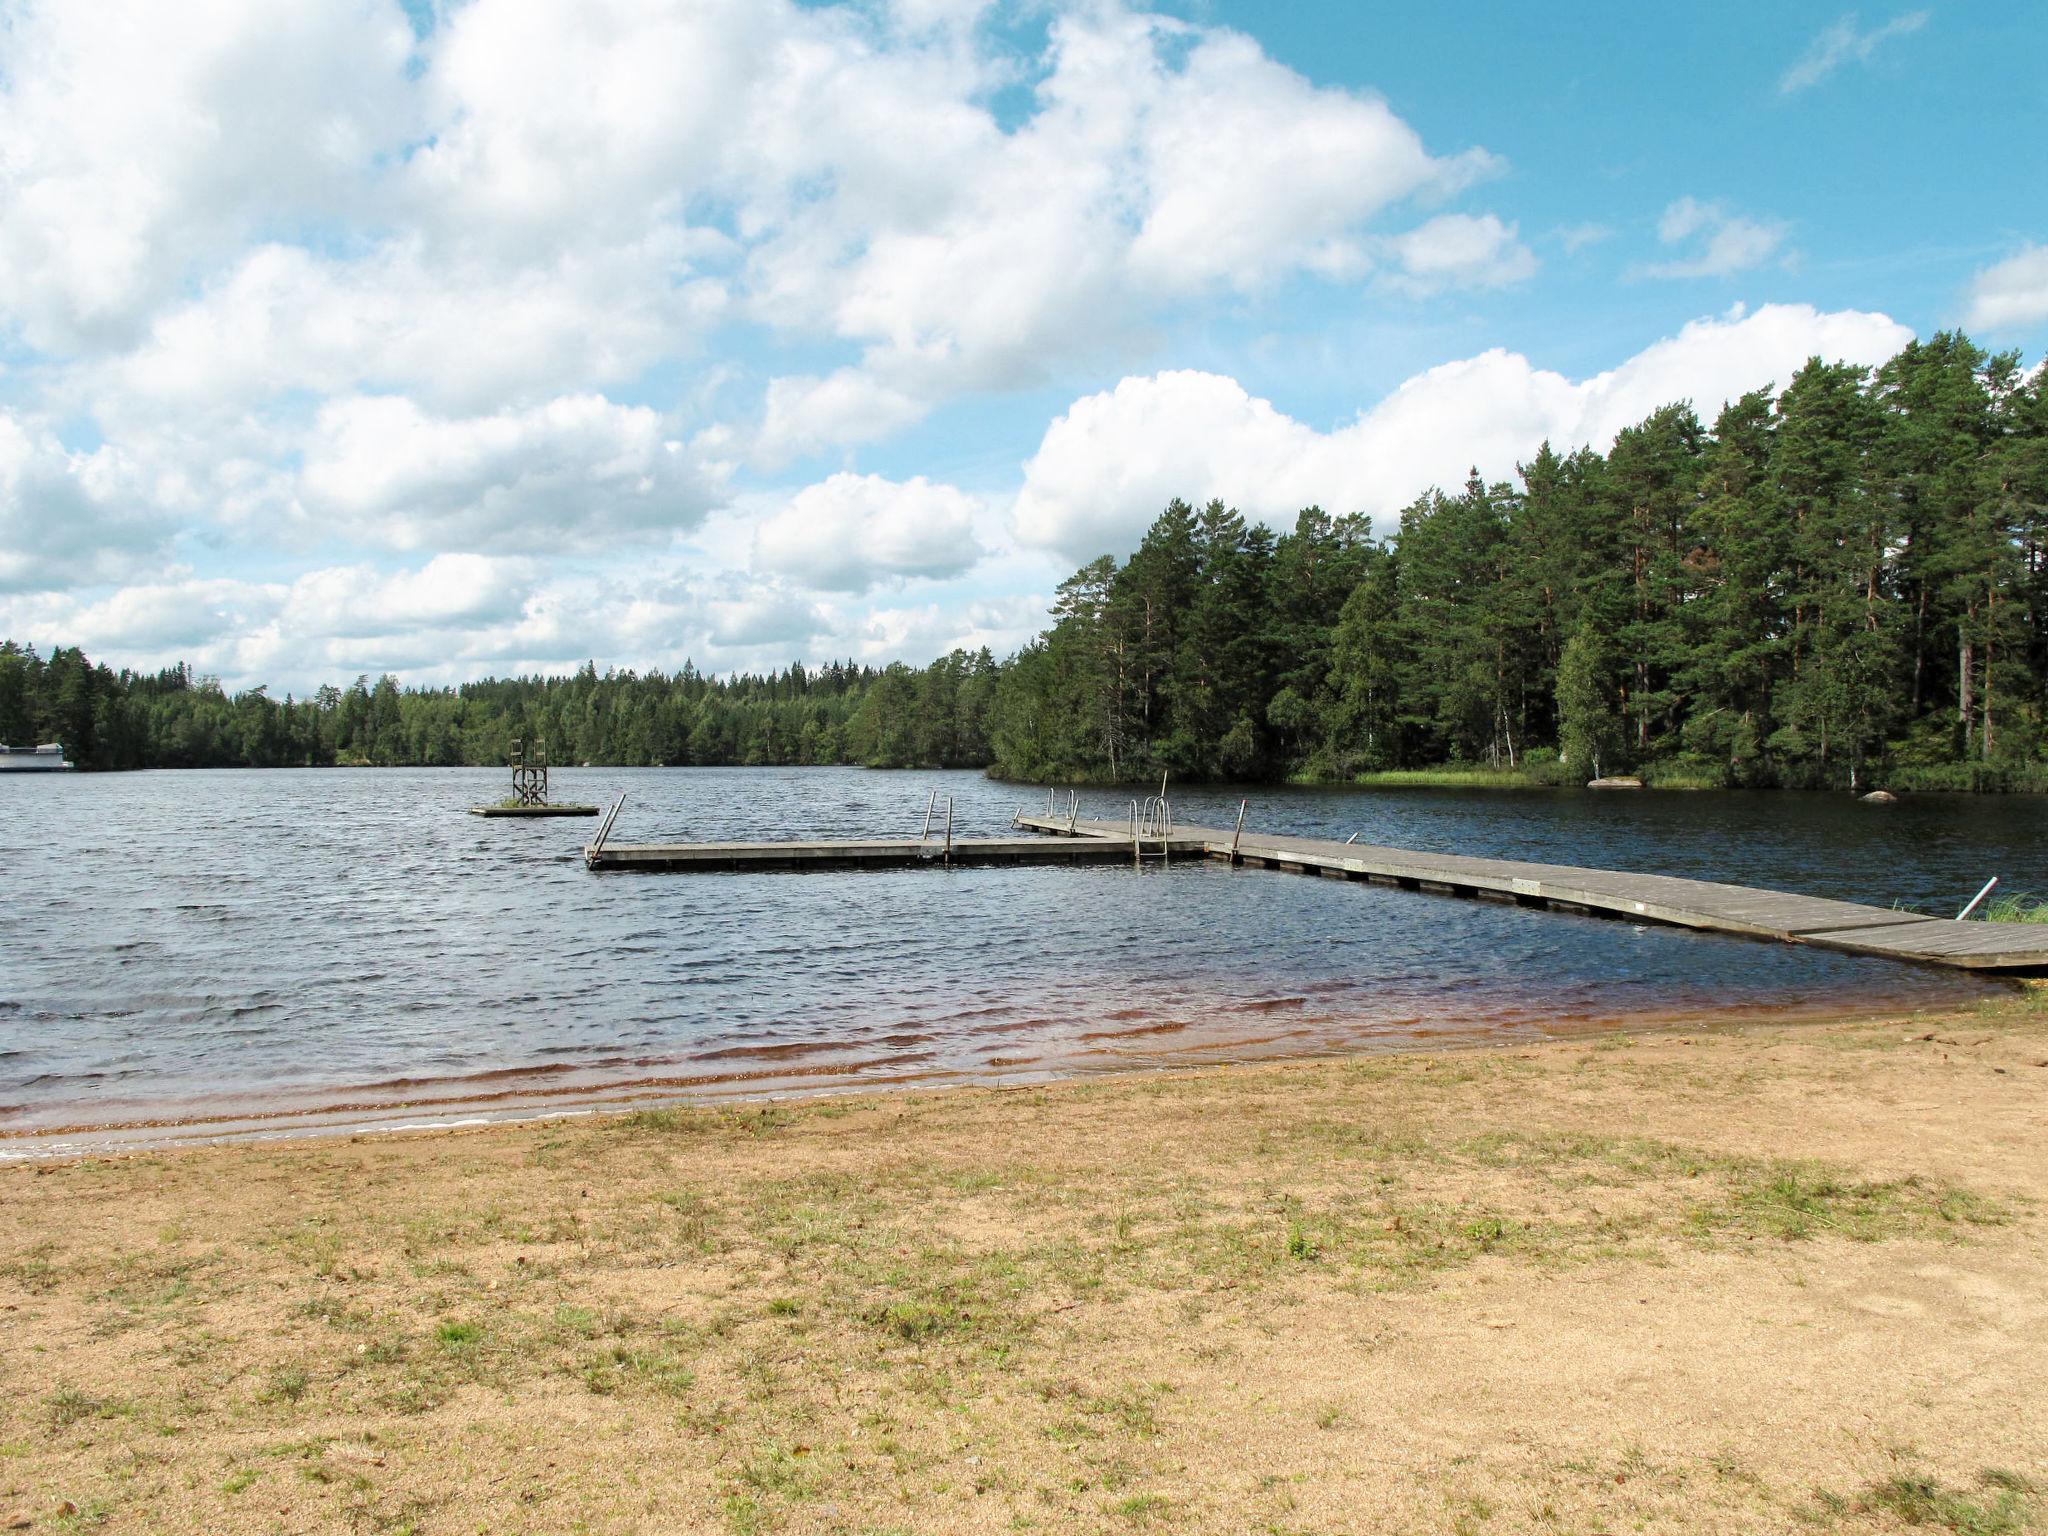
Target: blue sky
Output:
{"points": [[496, 335]]}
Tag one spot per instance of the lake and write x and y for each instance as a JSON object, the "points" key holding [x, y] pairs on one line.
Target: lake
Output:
{"points": [[286, 952]]}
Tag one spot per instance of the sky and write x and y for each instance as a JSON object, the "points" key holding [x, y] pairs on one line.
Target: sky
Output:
{"points": [[494, 336]]}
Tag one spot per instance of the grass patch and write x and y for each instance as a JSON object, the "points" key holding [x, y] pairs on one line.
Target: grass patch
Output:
{"points": [[68, 1406], [2002, 1503], [1795, 1201], [287, 1384]]}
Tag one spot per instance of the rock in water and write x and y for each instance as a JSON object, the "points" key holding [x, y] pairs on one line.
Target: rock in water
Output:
{"points": [[1880, 797], [1622, 782]]}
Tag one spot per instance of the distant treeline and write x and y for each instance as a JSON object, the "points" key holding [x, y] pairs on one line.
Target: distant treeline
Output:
{"points": [[892, 716], [1842, 582]]}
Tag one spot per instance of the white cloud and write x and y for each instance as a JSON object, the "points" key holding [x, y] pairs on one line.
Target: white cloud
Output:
{"points": [[138, 140], [849, 532], [2011, 295], [803, 414], [460, 335], [163, 617], [232, 208], [1845, 43], [1163, 161], [1727, 242], [1109, 464], [359, 601], [934, 629], [70, 518], [766, 615], [1456, 250], [551, 478], [1249, 169], [1577, 237]]}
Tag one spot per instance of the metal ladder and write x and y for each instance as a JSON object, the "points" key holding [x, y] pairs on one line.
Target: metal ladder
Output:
{"points": [[1151, 823]]}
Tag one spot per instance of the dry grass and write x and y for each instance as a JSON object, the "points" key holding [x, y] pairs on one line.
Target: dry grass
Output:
{"points": [[1780, 1279]]}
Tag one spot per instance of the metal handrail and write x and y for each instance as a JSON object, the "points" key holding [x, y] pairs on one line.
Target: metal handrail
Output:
{"points": [[604, 830]]}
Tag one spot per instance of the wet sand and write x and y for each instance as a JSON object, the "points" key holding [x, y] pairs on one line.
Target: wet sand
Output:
{"points": [[1212, 1032], [1767, 1277]]}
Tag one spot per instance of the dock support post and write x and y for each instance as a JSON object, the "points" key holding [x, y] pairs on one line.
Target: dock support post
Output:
{"points": [[949, 829], [1238, 833]]}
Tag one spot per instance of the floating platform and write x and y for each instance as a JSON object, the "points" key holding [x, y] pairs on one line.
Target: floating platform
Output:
{"points": [[533, 810], [1738, 909]]}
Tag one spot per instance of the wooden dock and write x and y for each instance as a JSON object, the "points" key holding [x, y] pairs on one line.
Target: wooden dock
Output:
{"points": [[898, 853], [1703, 904], [1073, 839]]}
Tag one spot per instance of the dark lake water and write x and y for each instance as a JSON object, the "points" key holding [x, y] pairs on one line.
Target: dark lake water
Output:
{"points": [[298, 950]]}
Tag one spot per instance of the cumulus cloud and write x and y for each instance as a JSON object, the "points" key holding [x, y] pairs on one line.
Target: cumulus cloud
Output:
{"points": [[1456, 250], [550, 477], [1845, 43], [71, 518], [1722, 243], [1162, 161], [1249, 168], [285, 320], [2011, 295], [849, 532], [933, 629], [1112, 460], [142, 140], [448, 619], [803, 414]]}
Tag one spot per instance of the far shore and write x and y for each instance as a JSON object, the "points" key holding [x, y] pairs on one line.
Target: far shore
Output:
{"points": [[1774, 1277], [2003, 779]]}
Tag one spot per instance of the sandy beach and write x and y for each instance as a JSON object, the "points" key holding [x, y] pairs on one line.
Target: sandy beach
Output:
{"points": [[1777, 1277]]}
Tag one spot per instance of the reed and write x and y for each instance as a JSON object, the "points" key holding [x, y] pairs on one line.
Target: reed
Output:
{"points": [[2020, 907], [1444, 778]]}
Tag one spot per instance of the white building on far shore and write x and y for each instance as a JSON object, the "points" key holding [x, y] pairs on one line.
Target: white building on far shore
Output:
{"points": [[48, 758]]}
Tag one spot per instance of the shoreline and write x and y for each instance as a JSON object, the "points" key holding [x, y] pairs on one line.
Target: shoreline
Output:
{"points": [[356, 1109], [1769, 1276]]}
